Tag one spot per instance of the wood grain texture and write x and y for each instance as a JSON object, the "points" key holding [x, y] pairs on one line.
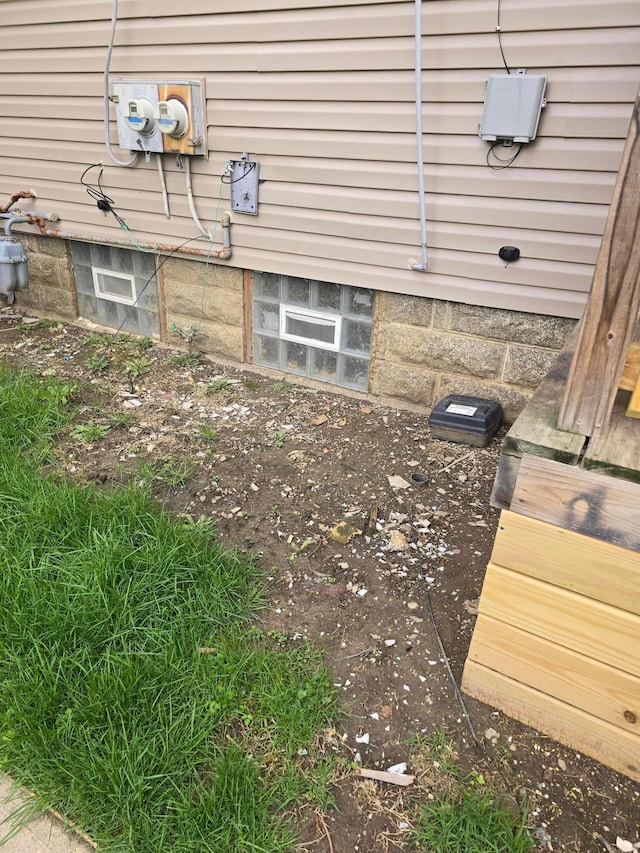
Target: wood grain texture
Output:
{"points": [[582, 624], [586, 502], [536, 430], [608, 744], [618, 452], [631, 372], [504, 482], [594, 687], [612, 310], [633, 409], [589, 567]]}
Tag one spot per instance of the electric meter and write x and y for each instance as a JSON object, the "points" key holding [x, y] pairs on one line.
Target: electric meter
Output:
{"points": [[171, 117], [138, 115]]}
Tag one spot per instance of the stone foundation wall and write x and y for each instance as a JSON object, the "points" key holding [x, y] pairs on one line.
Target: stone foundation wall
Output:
{"points": [[427, 349], [423, 350], [52, 287], [206, 300]]}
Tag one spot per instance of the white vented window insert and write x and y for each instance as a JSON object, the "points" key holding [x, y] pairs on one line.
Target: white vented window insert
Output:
{"points": [[116, 286], [310, 327], [314, 328]]}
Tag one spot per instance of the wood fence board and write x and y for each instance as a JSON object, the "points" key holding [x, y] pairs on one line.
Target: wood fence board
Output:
{"points": [[574, 621], [610, 318], [586, 502], [633, 409], [608, 744], [536, 430], [603, 691], [504, 482], [589, 567], [631, 372], [618, 452]]}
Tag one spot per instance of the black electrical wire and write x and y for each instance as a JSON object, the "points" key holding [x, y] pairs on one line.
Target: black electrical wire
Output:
{"points": [[504, 163], [499, 32], [155, 272], [445, 657], [479, 745], [240, 178], [104, 202]]}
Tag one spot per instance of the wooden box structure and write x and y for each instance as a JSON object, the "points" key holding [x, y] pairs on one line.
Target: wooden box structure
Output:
{"points": [[557, 640]]}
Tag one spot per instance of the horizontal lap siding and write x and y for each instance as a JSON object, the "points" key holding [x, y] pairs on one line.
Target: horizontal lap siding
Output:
{"points": [[322, 96]]}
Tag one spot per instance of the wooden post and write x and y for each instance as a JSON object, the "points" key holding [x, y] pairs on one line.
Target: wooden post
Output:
{"points": [[612, 310]]}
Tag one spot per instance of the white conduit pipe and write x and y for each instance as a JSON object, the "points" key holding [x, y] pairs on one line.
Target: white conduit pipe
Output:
{"points": [[421, 266], [192, 206], [105, 94], [163, 187]]}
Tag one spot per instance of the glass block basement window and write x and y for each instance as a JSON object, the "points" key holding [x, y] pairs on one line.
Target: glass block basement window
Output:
{"points": [[117, 287], [313, 328]]}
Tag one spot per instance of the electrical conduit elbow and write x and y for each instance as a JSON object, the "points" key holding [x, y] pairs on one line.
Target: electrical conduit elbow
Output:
{"points": [[225, 253]]}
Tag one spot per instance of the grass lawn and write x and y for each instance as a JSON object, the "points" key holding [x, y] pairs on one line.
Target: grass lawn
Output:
{"points": [[136, 695]]}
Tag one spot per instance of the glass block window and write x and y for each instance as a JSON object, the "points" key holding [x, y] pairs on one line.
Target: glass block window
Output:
{"points": [[313, 328], [117, 287]]}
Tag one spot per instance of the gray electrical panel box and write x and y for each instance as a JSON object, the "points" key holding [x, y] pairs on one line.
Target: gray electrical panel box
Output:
{"points": [[512, 107], [243, 188]]}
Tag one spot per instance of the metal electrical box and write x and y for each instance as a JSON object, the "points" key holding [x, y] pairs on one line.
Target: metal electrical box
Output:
{"points": [[144, 109], [512, 107], [244, 182]]}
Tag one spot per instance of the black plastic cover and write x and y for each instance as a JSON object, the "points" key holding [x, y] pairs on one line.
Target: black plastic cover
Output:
{"points": [[467, 420]]}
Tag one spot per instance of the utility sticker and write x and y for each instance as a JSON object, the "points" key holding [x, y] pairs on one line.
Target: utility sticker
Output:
{"points": [[457, 409]]}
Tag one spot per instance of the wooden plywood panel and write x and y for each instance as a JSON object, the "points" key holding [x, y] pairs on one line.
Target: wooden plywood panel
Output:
{"points": [[587, 566], [573, 621], [591, 686], [569, 497], [608, 744]]}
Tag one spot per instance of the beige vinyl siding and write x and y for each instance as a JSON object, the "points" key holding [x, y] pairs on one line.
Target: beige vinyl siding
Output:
{"points": [[321, 95]]}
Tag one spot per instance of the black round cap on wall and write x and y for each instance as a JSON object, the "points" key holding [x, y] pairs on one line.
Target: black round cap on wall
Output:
{"points": [[509, 253]]}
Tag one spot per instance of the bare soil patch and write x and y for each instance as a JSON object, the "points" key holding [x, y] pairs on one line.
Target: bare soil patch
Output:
{"points": [[279, 466]]}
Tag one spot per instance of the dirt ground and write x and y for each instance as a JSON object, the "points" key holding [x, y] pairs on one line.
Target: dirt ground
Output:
{"points": [[279, 466]]}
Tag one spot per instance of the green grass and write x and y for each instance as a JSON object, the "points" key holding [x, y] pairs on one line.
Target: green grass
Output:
{"points": [[136, 697], [471, 823], [169, 472], [185, 359], [467, 813]]}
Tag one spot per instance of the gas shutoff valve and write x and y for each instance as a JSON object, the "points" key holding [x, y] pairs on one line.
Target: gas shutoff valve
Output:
{"points": [[138, 114], [172, 118]]}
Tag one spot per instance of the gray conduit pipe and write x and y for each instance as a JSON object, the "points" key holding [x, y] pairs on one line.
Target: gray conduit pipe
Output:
{"points": [[421, 265], [223, 254], [105, 93], [17, 216]]}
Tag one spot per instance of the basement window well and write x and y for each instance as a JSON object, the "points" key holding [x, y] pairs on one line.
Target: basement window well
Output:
{"points": [[313, 328]]}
